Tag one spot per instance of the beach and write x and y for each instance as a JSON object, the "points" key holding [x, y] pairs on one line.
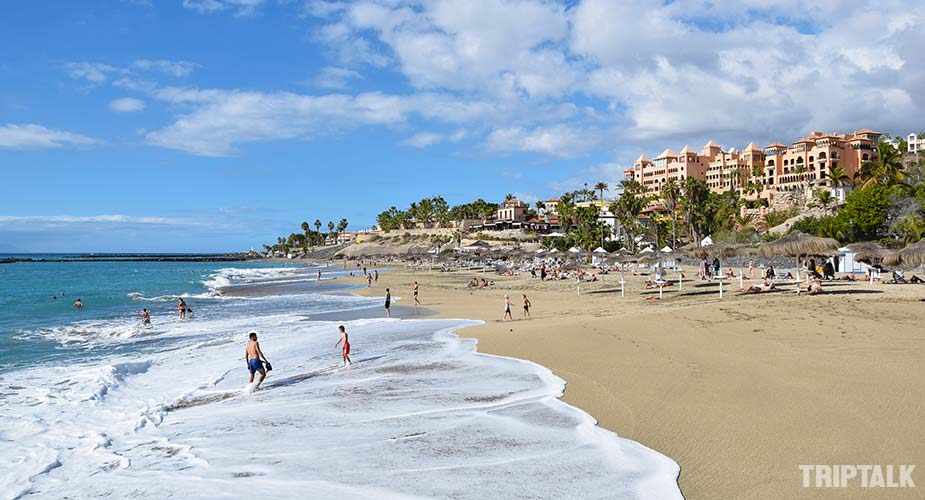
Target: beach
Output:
{"points": [[740, 391]]}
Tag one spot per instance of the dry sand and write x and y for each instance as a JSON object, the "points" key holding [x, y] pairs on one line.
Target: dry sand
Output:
{"points": [[739, 391]]}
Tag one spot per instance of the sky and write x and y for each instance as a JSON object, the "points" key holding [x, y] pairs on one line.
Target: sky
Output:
{"points": [[217, 125]]}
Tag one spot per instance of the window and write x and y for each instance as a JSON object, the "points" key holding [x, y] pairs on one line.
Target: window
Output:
{"points": [[811, 159], [822, 155], [800, 160], [770, 163], [865, 157]]}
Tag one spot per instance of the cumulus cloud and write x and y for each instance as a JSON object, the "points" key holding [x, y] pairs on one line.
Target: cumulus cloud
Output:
{"points": [[422, 140], [126, 105], [562, 141], [170, 68], [95, 73], [32, 136], [333, 77], [239, 7]]}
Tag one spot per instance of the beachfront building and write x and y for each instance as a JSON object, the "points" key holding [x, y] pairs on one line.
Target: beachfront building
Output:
{"points": [[672, 166], [799, 168], [512, 210], [916, 146]]}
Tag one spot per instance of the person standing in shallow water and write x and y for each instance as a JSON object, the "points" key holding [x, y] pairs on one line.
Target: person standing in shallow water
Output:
{"points": [[345, 352], [416, 301], [388, 303], [253, 355], [181, 308]]}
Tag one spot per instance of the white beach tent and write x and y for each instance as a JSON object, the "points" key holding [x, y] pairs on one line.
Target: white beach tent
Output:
{"points": [[706, 242], [555, 235], [574, 250], [599, 250], [667, 249], [646, 250], [847, 264]]}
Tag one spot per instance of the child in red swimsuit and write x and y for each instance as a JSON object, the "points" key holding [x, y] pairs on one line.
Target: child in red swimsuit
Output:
{"points": [[345, 352]]}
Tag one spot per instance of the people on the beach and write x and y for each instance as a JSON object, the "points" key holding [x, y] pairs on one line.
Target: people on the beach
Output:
{"points": [[376, 276], [345, 351], [319, 276], [181, 308], [369, 281], [145, 317], [526, 306], [415, 291], [78, 304], [388, 303], [507, 308], [253, 355]]}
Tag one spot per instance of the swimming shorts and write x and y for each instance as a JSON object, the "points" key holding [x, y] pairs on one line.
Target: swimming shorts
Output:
{"points": [[254, 365], [346, 348]]}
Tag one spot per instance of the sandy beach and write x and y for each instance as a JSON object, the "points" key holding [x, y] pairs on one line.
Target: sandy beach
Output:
{"points": [[740, 391]]}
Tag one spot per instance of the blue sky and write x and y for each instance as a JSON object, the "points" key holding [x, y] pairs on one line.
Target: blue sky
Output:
{"points": [[212, 125]]}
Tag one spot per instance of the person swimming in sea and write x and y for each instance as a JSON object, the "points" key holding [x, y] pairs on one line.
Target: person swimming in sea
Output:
{"points": [[78, 304], [145, 317], [345, 351]]}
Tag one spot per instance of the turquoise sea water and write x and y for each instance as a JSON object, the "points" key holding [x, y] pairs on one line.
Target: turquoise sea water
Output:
{"points": [[38, 298]]}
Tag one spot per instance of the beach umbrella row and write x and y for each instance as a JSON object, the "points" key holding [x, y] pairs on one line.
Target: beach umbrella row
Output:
{"points": [[910, 257]]}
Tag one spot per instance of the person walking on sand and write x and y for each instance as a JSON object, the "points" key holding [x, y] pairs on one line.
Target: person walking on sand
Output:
{"points": [[345, 351], [526, 306], [507, 308], [416, 301], [253, 356], [145, 317], [319, 275], [369, 280], [376, 276], [181, 308], [78, 304], [388, 303]]}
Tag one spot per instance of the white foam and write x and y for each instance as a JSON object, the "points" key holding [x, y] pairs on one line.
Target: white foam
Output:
{"points": [[418, 415]]}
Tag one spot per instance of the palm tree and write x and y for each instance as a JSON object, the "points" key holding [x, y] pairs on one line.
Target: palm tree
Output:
{"points": [[331, 230], [671, 192], [838, 177], [825, 198], [317, 225], [601, 187], [886, 170], [800, 170]]}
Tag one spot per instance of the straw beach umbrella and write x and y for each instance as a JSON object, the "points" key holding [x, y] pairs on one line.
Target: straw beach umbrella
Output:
{"points": [[798, 244], [868, 252], [908, 258]]}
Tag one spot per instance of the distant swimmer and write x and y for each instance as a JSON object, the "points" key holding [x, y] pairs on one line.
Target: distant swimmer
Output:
{"points": [[416, 301], [54, 297], [388, 303], [145, 317], [345, 352], [507, 308], [78, 304], [253, 355], [181, 308], [526, 306]]}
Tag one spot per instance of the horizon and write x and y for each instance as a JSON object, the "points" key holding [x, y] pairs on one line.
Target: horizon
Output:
{"points": [[129, 127]]}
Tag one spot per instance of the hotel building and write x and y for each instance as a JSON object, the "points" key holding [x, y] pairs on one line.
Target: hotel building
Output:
{"points": [[804, 165]]}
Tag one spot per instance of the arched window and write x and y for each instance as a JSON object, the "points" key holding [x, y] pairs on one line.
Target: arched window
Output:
{"points": [[822, 155], [865, 157], [811, 159], [800, 160], [770, 163]]}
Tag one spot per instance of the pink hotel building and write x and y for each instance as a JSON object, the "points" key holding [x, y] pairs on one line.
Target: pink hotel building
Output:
{"points": [[776, 168]]}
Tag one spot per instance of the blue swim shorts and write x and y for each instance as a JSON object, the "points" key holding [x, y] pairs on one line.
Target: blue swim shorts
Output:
{"points": [[254, 365]]}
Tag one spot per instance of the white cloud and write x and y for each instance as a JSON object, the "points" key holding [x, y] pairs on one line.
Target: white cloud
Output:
{"points": [[423, 140], [333, 77], [170, 68], [81, 219], [240, 7], [560, 141], [94, 73], [31, 136], [126, 105]]}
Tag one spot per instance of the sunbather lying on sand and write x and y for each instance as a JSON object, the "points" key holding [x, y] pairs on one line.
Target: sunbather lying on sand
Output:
{"points": [[764, 287], [849, 277]]}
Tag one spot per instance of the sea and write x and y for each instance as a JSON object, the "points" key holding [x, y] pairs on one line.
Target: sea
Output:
{"points": [[94, 404]]}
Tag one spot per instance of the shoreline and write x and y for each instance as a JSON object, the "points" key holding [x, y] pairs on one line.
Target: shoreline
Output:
{"points": [[738, 391]]}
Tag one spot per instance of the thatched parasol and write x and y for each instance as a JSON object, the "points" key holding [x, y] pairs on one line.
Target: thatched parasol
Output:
{"points": [[868, 252], [797, 244], [721, 250], [908, 258]]}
